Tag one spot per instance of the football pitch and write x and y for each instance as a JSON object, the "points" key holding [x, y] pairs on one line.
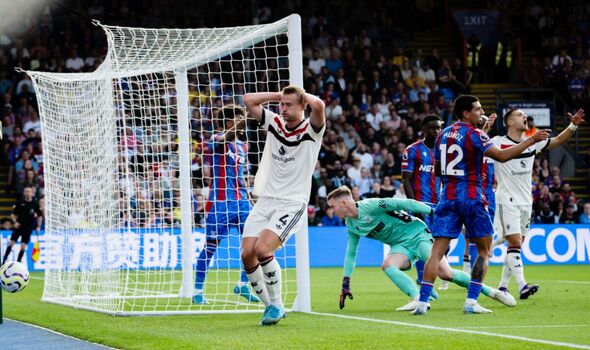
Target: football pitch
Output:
{"points": [[557, 317]]}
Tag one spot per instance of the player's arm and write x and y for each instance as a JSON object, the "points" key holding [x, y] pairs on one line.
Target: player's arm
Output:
{"points": [[489, 123], [503, 155], [231, 133], [349, 264], [394, 204], [575, 121], [317, 117], [408, 178], [408, 172], [254, 102], [39, 218]]}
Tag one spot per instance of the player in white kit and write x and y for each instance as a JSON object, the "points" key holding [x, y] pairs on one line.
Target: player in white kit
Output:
{"points": [[513, 196], [282, 186]]}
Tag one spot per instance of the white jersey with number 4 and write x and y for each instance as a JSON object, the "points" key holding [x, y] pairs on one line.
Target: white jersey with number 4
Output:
{"points": [[288, 159], [514, 176]]}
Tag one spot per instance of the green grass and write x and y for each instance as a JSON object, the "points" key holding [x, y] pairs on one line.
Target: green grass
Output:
{"points": [[558, 313]]}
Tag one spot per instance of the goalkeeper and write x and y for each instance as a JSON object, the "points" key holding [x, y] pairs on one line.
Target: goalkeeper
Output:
{"points": [[228, 204], [387, 221]]}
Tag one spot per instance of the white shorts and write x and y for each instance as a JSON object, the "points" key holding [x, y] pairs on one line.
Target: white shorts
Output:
{"points": [[512, 219], [281, 216]]}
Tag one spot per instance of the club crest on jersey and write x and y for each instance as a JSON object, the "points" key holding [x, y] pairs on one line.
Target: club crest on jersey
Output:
{"points": [[405, 156], [282, 151]]}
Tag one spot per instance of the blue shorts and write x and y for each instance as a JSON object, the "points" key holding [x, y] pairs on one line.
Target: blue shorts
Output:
{"points": [[450, 216], [429, 219], [225, 215]]}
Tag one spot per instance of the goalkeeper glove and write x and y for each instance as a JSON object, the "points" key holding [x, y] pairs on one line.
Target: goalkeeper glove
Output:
{"points": [[346, 292]]}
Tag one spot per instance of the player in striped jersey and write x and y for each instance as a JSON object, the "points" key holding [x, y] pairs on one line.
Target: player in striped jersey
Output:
{"points": [[420, 181], [228, 204], [514, 195], [282, 185], [458, 157]]}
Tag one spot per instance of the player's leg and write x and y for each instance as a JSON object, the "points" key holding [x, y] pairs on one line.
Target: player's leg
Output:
{"points": [[255, 223], [285, 220], [241, 288], [513, 253], [466, 258], [13, 238], [216, 229], [396, 261], [462, 279], [479, 229], [447, 224]]}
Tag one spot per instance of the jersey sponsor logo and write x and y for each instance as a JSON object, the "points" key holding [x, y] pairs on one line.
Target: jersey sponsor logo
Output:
{"points": [[484, 137], [283, 159], [376, 230], [520, 173], [453, 135], [426, 168]]}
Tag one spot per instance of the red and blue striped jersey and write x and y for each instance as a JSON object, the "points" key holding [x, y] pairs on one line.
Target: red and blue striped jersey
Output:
{"points": [[419, 160], [487, 178], [460, 149], [227, 161]]}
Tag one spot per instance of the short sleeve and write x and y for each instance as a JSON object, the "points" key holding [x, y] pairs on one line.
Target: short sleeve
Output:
{"points": [[408, 159], [481, 141], [266, 119], [541, 146]]}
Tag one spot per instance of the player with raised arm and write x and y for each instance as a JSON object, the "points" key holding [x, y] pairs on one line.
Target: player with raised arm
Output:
{"points": [[228, 204], [420, 181], [514, 195], [387, 220], [458, 159], [282, 185]]}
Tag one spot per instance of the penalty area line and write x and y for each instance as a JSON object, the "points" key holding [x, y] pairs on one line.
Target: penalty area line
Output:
{"points": [[456, 330]]}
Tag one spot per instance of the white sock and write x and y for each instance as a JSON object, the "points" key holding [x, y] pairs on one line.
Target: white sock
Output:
{"points": [[272, 277], [506, 273], [516, 266], [256, 279]]}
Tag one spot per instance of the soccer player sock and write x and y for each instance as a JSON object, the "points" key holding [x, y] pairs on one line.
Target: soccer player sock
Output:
{"points": [[20, 255], [203, 264], [256, 278], [425, 290], [515, 264], [472, 253], [461, 278], [506, 273], [6, 254], [474, 289], [419, 269], [402, 281], [272, 277]]}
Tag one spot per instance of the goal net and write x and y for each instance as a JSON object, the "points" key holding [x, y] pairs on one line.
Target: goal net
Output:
{"points": [[129, 169]]}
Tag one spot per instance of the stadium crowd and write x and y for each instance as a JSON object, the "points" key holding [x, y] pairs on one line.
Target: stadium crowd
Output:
{"points": [[376, 92]]}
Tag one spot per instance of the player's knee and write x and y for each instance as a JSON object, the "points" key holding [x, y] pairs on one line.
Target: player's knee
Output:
{"points": [[262, 251]]}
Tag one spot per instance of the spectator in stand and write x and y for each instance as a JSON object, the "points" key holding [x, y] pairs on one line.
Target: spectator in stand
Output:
{"points": [[390, 166], [387, 188], [560, 58], [584, 217], [334, 110], [316, 62], [331, 219], [312, 218], [364, 183], [354, 172], [568, 216], [546, 216], [374, 117], [33, 124], [531, 129]]}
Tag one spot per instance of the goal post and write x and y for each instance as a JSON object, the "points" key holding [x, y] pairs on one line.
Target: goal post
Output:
{"points": [[130, 169]]}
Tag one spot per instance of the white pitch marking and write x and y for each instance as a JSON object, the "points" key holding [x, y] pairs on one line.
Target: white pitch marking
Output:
{"points": [[58, 333], [531, 326], [457, 330]]}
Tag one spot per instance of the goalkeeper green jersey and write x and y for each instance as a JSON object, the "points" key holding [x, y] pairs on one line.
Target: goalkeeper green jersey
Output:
{"points": [[385, 220]]}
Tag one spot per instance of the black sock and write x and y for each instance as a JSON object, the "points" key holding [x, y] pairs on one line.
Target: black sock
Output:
{"points": [[20, 255], [8, 249]]}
